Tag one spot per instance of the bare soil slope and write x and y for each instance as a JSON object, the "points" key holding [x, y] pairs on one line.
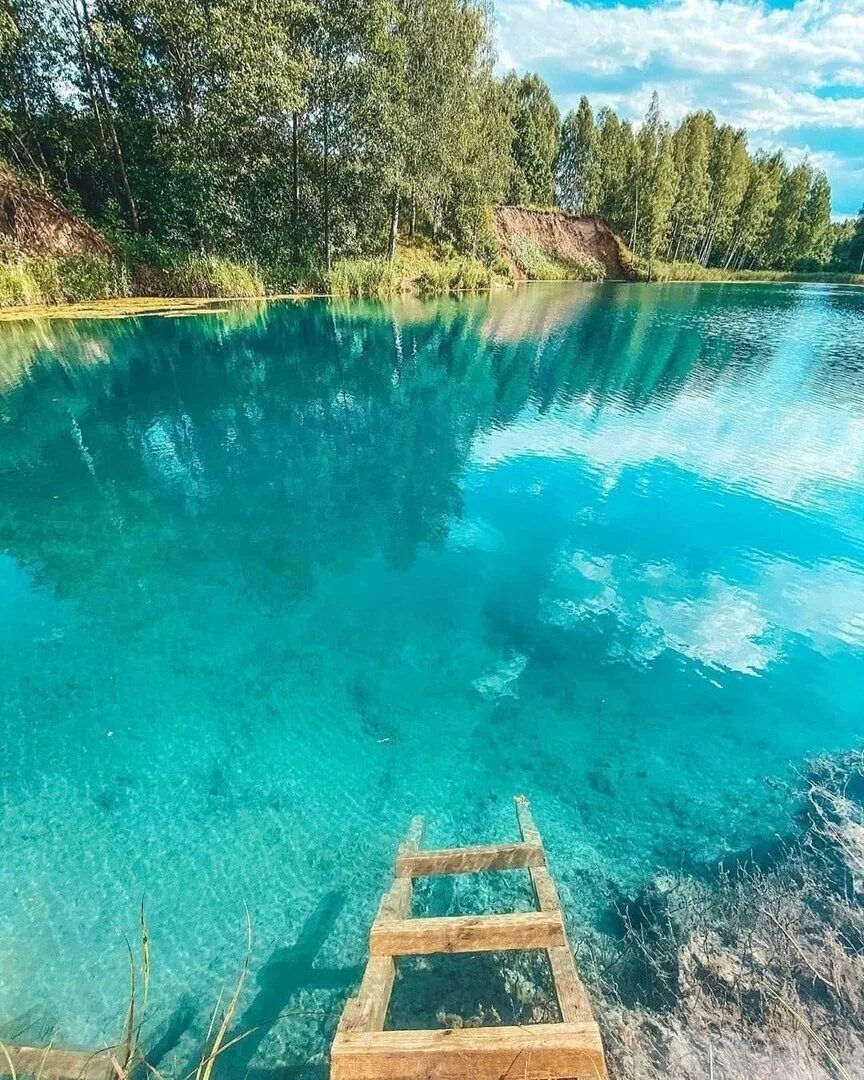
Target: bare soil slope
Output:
{"points": [[38, 224], [564, 237]]}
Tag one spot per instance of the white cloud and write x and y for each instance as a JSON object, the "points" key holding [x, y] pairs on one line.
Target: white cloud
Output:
{"points": [[792, 444], [808, 43], [712, 620], [722, 628], [756, 67]]}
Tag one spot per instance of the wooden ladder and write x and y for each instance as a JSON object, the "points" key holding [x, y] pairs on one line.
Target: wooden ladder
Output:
{"points": [[363, 1050]]}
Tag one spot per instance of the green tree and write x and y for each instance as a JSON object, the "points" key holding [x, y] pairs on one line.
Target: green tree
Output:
{"points": [[781, 244], [729, 171], [814, 241], [756, 211], [616, 169], [691, 149], [578, 172], [536, 125], [656, 185], [31, 59], [856, 244]]}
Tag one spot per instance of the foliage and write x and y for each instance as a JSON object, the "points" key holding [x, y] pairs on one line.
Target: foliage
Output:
{"points": [[696, 194], [578, 166], [536, 139], [283, 132], [289, 134], [848, 244]]}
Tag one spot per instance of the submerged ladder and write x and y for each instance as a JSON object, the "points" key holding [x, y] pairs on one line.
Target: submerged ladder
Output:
{"points": [[572, 1049]]}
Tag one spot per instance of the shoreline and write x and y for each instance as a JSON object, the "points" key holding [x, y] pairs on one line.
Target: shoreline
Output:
{"points": [[184, 306]]}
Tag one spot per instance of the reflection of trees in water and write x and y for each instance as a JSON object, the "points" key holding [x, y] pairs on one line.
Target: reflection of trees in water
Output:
{"points": [[305, 436], [843, 354]]}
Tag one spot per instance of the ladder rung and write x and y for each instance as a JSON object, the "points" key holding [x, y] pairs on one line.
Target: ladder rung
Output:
{"points": [[531, 1052], [467, 933], [469, 860]]}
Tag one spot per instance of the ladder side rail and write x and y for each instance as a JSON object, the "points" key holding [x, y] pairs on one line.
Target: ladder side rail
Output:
{"points": [[367, 1010]]}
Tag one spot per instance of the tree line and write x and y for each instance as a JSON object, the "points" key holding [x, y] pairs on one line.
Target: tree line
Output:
{"points": [[262, 128], [303, 130], [695, 192]]}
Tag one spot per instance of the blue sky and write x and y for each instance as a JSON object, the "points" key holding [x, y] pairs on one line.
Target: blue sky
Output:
{"points": [[790, 71]]}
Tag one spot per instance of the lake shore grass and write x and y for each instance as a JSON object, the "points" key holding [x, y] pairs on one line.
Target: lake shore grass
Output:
{"points": [[91, 287], [694, 272], [140, 271]]}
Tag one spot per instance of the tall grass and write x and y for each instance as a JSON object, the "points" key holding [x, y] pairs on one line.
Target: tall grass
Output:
{"points": [[684, 271], [128, 1059], [18, 285], [49, 279], [417, 269], [455, 275], [209, 275], [362, 277]]}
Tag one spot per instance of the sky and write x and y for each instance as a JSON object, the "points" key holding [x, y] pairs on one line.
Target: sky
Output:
{"points": [[789, 71]]}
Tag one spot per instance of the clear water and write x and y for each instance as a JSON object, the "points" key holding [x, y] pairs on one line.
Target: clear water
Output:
{"points": [[274, 580]]}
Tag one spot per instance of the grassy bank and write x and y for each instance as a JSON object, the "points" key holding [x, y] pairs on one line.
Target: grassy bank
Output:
{"points": [[539, 263], [681, 271], [29, 280], [148, 270], [419, 269]]}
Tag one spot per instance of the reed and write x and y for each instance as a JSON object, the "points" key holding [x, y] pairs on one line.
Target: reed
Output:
{"points": [[209, 275], [127, 1057], [363, 277], [49, 279]]}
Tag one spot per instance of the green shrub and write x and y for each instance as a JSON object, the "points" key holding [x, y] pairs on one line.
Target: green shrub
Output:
{"points": [[455, 275]]}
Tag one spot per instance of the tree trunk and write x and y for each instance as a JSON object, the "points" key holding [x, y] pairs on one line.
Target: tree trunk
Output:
{"points": [[115, 142], [295, 188], [327, 166], [633, 234], [436, 216], [394, 225], [413, 211], [88, 78]]}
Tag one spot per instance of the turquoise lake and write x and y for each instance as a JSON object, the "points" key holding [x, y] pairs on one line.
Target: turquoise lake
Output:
{"points": [[275, 579]]}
